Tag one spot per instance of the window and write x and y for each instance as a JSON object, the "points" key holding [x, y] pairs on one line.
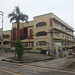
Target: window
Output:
{"points": [[42, 33], [56, 23], [42, 43], [14, 33], [26, 44], [62, 27], [67, 36], [6, 36], [5, 42], [0, 43], [30, 33], [25, 32], [32, 44], [36, 44], [51, 22], [41, 24], [21, 34]]}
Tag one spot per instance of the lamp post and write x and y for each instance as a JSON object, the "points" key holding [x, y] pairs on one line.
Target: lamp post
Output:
{"points": [[2, 27]]}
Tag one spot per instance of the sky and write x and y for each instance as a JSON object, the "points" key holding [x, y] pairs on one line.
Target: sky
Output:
{"points": [[64, 9]]}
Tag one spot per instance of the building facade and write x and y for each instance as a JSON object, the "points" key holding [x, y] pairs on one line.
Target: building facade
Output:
{"points": [[7, 39], [45, 32]]}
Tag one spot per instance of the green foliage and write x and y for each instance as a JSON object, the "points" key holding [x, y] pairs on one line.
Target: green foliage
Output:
{"points": [[19, 49], [17, 15]]}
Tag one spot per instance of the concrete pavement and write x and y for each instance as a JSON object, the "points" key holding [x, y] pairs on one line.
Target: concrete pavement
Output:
{"points": [[58, 63], [4, 55], [8, 68], [48, 67]]}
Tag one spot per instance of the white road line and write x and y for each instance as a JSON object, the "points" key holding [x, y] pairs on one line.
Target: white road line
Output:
{"points": [[10, 72]]}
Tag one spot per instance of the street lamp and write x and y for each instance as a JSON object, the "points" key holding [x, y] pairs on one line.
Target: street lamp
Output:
{"points": [[2, 27]]}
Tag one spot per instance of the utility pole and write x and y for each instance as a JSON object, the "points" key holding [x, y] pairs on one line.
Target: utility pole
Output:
{"points": [[2, 27], [51, 42]]}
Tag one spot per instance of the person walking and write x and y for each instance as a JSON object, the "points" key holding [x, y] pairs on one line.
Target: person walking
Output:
{"points": [[54, 53]]}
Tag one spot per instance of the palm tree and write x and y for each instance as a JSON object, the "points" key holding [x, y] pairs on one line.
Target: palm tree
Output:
{"points": [[18, 16]]}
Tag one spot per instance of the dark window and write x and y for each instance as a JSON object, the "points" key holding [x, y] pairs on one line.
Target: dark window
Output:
{"points": [[36, 44], [5, 42], [14, 33], [6, 36], [25, 32], [42, 33], [42, 43], [26, 44], [30, 33], [21, 34], [51, 22], [32, 44], [0, 43], [41, 24]]}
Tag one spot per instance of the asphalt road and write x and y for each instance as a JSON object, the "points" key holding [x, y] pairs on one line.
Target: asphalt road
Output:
{"points": [[8, 68]]}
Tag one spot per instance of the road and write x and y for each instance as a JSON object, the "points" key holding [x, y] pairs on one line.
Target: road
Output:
{"points": [[8, 68]]}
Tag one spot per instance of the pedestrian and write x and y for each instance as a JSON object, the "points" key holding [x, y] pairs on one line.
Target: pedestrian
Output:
{"points": [[54, 53]]}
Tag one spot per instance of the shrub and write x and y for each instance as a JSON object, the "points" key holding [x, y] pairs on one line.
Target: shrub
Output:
{"points": [[19, 49]]}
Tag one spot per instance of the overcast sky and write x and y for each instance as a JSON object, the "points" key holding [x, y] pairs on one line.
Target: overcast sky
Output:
{"points": [[64, 9]]}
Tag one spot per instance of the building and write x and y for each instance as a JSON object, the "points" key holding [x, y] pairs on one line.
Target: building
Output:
{"points": [[45, 32], [7, 39]]}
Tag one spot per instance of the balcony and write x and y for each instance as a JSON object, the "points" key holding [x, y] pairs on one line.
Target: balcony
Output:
{"points": [[56, 36], [63, 30]]}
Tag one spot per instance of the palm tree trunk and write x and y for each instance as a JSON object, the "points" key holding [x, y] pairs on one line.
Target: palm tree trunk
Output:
{"points": [[18, 27], [18, 35]]}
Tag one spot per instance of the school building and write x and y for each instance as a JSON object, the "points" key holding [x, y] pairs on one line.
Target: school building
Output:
{"points": [[45, 32]]}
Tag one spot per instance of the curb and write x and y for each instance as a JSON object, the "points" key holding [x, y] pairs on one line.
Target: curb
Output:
{"points": [[13, 61]]}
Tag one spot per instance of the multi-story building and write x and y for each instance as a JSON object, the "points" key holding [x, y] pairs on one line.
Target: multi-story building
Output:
{"points": [[45, 32], [51, 32]]}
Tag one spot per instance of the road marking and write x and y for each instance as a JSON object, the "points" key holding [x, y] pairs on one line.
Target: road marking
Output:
{"points": [[10, 72], [46, 68]]}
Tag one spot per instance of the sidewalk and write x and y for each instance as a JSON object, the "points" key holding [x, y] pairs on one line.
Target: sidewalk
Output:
{"points": [[58, 63], [6, 55]]}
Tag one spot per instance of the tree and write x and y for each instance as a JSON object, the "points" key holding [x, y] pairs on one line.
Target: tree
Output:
{"points": [[18, 16], [19, 49]]}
